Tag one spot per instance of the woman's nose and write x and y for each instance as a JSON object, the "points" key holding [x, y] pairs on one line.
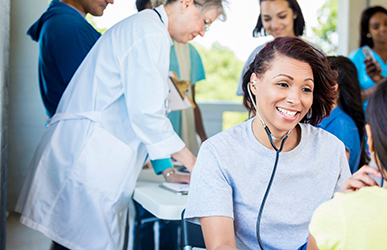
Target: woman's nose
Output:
{"points": [[293, 97]]}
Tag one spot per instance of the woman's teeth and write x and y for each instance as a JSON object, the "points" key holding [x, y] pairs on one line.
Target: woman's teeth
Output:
{"points": [[287, 112]]}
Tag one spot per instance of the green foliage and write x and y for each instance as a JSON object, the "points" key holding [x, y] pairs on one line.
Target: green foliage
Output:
{"points": [[223, 70], [231, 119], [326, 32]]}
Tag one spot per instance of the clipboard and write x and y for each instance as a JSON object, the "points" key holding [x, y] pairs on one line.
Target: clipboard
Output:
{"points": [[177, 97], [177, 188]]}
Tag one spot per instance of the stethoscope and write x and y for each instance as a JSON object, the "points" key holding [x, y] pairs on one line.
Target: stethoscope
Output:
{"points": [[271, 138]]}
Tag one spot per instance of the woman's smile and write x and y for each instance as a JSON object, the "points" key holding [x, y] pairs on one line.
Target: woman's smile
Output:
{"points": [[288, 114]]}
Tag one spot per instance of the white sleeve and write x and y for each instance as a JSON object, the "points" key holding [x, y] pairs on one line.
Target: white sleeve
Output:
{"points": [[144, 72]]}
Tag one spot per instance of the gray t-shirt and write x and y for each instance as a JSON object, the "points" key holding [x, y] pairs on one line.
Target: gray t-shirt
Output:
{"points": [[232, 172]]}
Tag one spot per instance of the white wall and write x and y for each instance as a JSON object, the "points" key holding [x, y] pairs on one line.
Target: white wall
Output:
{"points": [[26, 111]]}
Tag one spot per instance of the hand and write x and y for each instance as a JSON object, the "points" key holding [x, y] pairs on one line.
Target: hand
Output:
{"points": [[179, 178], [373, 69], [361, 179]]}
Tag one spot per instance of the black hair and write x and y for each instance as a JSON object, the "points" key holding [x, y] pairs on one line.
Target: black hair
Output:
{"points": [[349, 98], [324, 94], [365, 22], [298, 25], [141, 4], [377, 119]]}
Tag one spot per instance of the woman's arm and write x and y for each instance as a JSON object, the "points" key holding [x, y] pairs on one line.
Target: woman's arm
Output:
{"points": [[218, 232], [311, 243], [186, 158], [366, 93]]}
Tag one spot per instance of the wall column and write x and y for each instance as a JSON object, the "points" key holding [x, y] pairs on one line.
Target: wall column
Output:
{"points": [[26, 112]]}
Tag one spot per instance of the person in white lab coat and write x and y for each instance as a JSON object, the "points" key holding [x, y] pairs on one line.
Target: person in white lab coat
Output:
{"points": [[111, 118]]}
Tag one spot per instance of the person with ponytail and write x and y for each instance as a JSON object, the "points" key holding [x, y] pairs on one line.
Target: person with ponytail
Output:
{"points": [[347, 119]]}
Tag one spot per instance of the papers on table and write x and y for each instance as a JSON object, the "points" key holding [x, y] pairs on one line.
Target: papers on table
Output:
{"points": [[178, 188]]}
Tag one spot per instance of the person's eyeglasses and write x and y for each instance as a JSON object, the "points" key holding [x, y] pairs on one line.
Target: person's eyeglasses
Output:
{"points": [[207, 25]]}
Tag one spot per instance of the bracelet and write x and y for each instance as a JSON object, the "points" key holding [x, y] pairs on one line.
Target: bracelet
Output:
{"points": [[169, 174]]}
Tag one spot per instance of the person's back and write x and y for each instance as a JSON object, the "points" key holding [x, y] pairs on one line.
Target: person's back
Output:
{"points": [[65, 37], [353, 221], [357, 220]]}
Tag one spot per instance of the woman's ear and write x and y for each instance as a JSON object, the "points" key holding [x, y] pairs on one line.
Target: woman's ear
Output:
{"points": [[336, 87], [184, 4], [253, 83], [370, 141]]}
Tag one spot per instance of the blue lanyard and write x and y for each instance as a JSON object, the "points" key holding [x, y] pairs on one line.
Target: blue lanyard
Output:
{"points": [[159, 15]]}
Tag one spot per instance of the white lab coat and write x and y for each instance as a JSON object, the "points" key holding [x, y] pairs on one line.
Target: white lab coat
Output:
{"points": [[111, 116]]}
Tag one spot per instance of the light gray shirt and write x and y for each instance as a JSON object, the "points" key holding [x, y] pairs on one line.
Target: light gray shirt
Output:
{"points": [[232, 172]]}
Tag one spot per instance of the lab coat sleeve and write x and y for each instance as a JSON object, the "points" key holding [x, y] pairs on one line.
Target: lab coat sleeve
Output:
{"points": [[144, 71]]}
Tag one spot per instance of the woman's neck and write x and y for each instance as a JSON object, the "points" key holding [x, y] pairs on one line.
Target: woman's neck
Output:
{"points": [[292, 141], [381, 50]]}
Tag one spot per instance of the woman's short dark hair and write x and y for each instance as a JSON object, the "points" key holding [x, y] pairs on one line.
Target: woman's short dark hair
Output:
{"points": [[324, 94], [298, 25], [365, 22], [377, 119], [350, 98]]}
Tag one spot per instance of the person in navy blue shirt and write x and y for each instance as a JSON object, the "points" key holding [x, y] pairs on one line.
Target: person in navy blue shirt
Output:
{"points": [[347, 119], [65, 37]]}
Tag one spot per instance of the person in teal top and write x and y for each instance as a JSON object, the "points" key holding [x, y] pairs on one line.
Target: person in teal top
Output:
{"points": [[373, 27], [195, 73]]}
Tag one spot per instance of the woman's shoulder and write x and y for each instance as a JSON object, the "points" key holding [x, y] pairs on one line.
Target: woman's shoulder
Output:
{"points": [[356, 54], [319, 136], [231, 136]]}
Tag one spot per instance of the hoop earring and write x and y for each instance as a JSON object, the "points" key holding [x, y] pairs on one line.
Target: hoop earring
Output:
{"points": [[368, 35]]}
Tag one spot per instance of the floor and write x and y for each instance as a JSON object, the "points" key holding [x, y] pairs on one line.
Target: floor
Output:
{"points": [[20, 237]]}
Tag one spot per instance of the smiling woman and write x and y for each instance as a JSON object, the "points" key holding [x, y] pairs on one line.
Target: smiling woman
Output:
{"points": [[292, 89]]}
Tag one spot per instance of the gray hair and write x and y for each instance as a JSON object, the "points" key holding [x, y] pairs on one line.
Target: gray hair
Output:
{"points": [[206, 5]]}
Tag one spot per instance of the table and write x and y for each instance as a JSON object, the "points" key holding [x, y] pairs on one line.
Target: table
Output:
{"points": [[162, 203]]}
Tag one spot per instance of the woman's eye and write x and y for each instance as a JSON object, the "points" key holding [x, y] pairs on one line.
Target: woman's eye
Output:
{"points": [[282, 17], [307, 90], [283, 84], [266, 19]]}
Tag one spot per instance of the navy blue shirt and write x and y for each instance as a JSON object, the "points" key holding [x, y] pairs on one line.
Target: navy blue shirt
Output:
{"points": [[65, 38]]}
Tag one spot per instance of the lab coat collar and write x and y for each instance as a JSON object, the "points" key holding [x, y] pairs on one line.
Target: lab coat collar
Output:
{"points": [[164, 16]]}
